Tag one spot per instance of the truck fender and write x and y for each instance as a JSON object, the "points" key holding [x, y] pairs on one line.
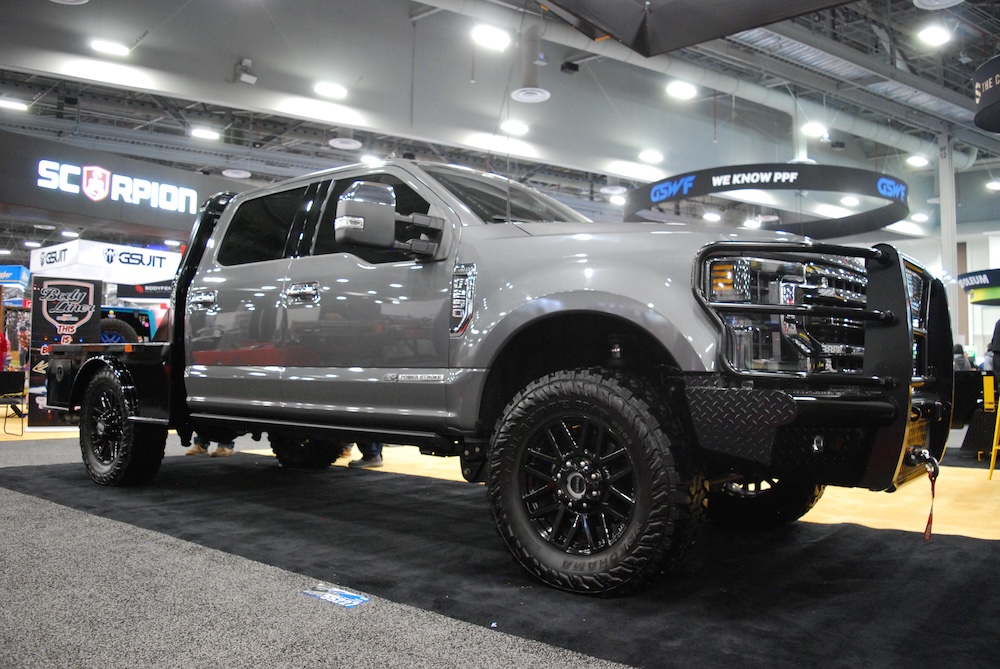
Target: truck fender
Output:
{"points": [[94, 365], [482, 352]]}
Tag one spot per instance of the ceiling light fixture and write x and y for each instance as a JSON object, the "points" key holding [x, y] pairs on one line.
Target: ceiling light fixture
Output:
{"points": [[514, 127], [753, 223], [32, 245], [934, 35], [936, 4], [612, 189], [110, 48], [617, 200], [236, 173], [70, 233], [920, 218], [5, 252], [651, 156], [917, 161], [344, 143], [712, 216], [330, 90], [14, 105], [371, 160], [681, 90], [814, 129], [993, 185], [171, 242], [850, 201], [204, 133], [490, 37]]}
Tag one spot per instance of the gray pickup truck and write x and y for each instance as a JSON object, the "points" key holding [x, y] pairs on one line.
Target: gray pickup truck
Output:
{"points": [[611, 384]]}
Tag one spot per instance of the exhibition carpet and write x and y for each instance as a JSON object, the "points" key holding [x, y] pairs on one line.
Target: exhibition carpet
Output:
{"points": [[812, 594]]}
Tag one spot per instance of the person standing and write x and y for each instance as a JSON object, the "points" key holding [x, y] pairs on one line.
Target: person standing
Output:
{"points": [[223, 450], [371, 455]]}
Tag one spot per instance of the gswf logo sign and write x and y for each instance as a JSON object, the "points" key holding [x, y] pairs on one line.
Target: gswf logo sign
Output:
{"points": [[670, 188], [99, 184], [891, 189]]}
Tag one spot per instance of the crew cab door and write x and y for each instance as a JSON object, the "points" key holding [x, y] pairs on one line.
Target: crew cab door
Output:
{"points": [[234, 312], [367, 329]]}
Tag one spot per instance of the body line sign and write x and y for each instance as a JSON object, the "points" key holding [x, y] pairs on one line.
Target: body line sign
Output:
{"points": [[787, 177]]}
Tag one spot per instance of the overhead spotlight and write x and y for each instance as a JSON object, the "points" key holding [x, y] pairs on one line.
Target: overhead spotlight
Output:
{"points": [[110, 48], [651, 156], [993, 185], [681, 90], [934, 35], [613, 189], [204, 133], [814, 129], [514, 127], [236, 173], [753, 223], [5, 252], [712, 216], [371, 160], [490, 37], [70, 233], [171, 242], [32, 245], [850, 201], [920, 218], [617, 200], [917, 161], [330, 90], [14, 105]]}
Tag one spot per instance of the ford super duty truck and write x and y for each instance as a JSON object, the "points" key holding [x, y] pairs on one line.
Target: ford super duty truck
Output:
{"points": [[610, 383]]}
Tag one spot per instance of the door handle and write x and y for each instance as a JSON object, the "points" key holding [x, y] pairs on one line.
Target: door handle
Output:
{"points": [[303, 292], [204, 300]]}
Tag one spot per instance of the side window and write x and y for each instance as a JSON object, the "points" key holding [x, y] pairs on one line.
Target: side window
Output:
{"points": [[260, 227], [408, 202]]}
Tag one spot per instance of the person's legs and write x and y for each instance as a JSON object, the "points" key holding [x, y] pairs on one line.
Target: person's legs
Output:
{"points": [[223, 450], [371, 454], [198, 448]]}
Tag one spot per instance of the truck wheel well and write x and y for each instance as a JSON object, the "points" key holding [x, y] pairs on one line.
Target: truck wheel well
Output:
{"points": [[567, 342]]}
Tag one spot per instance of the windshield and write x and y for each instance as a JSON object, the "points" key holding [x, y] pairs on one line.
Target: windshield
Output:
{"points": [[498, 200]]}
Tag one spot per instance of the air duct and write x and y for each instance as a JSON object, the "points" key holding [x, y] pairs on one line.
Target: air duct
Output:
{"points": [[531, 59]]}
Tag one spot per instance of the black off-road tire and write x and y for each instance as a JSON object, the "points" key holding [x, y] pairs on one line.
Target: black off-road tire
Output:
{"points": [[590, 482], [117, 451], [117, 331], [762, 504], [304, 453]]}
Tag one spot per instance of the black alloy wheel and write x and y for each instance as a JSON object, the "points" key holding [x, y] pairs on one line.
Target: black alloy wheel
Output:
{"points": [[589, 482]]}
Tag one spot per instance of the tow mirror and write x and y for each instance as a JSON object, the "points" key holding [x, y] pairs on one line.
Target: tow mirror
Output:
{"points": [[366, 215]]}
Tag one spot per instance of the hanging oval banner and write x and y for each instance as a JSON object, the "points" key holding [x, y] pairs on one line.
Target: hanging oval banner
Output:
{"points": [[890, 192], [986, 87]]}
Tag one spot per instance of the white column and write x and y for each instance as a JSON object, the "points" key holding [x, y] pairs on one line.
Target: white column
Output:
{"points": [[949, 223]]}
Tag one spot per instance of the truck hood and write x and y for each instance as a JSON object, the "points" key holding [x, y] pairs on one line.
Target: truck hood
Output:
{"points": [[650, 236]]}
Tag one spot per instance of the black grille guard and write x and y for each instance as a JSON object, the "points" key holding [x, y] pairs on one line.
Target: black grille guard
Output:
{"points": [[908, 365]]}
